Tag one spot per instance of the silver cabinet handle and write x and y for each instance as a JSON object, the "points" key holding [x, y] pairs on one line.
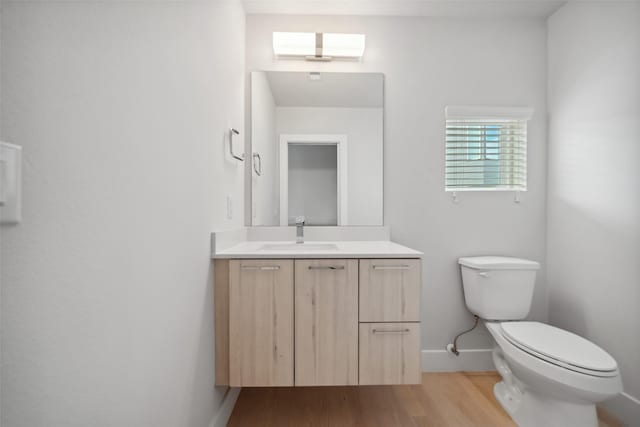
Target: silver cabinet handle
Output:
{"points": [[257, 168], [391, 267], [326, 267], [260, 267], [391, 331]]}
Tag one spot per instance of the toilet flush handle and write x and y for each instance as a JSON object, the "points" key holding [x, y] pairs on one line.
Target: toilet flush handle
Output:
{"points": [[484, 274]]}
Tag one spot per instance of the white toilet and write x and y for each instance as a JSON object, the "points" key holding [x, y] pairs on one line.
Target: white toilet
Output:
{"points": [[550, 377]]}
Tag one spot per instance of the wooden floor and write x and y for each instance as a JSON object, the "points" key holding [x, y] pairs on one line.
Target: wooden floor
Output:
{"points": [[454, 399]]}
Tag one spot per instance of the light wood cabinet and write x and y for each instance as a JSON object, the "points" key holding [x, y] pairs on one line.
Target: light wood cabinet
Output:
{"points": [[326, 322], [221, 320], [390, 290], [260, 323], [312, 322], [389, 353]]}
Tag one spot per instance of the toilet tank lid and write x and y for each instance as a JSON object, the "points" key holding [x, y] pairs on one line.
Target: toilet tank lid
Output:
{"points": [[498, 263]]}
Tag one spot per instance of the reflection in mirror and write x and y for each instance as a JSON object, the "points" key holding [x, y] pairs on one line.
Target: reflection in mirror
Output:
{"points": [[312, 187], [317, 145]]}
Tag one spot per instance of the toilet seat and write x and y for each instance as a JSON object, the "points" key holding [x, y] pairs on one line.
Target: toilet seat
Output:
{"points": [[560, 347]]}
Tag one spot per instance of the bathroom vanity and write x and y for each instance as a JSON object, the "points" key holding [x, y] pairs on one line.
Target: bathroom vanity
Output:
{"points": [[319, 313], [342, 308]]}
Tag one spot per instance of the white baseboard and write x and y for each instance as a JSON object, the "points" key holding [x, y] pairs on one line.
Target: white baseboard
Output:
{"points": [[468, 360], [228, 403], [624, 407]]}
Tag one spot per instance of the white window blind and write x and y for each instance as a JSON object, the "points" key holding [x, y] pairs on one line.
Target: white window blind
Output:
{"points": [[486, 149]]}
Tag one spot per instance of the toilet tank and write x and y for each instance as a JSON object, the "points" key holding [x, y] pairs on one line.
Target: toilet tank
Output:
{"points": [[498, 288]]}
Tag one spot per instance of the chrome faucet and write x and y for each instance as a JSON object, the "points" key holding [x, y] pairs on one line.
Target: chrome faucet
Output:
{"points": [[299, 229]]}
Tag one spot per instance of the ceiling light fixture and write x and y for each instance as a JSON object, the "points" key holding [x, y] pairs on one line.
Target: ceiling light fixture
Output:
{"points": [[319, 46]]}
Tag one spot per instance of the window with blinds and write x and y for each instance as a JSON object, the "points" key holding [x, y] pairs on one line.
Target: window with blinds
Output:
{"points": [[486, 153]]}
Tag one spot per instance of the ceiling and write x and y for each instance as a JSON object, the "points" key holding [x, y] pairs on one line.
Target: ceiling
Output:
{"points": [[336, 90], [433, 8]]}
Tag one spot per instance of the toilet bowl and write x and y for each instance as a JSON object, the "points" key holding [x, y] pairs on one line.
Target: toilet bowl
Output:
{"points": [[550, 377], [538, 389]]}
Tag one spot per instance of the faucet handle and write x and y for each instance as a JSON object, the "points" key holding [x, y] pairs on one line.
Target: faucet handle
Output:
{"points": [[300, 220]]}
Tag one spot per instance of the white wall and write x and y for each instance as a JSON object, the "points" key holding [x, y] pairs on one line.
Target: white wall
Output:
{"points": [[430, 63], [593, 196], [122, 109], [363, 128], [0, 230], [265, 188]]}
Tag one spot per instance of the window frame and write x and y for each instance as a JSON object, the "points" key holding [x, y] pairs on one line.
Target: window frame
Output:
{"points": [[488, 115]]}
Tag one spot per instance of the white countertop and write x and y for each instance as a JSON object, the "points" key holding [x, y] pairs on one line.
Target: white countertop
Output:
{"points": [[343, 249]]}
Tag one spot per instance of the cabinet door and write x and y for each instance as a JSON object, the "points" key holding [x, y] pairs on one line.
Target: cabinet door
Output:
{"points": [[389, 353], [326, 330], [261, 323], [390, 290]]}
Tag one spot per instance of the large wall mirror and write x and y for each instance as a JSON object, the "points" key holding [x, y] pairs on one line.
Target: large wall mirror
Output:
{"points": [[317, 147]]}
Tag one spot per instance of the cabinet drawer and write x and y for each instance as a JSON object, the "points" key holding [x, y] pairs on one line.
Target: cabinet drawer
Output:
{"points": [[260, 323], [390, 290], [389, 353]]}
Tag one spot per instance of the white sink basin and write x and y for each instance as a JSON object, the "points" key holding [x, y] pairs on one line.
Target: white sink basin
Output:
{"points": [[298, 247]]}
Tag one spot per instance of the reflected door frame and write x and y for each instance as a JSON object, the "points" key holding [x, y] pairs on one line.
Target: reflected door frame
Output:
{"points": [[340, 141]]}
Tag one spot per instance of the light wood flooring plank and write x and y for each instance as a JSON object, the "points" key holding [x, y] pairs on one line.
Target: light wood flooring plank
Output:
{"points": [[453, 399]]}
